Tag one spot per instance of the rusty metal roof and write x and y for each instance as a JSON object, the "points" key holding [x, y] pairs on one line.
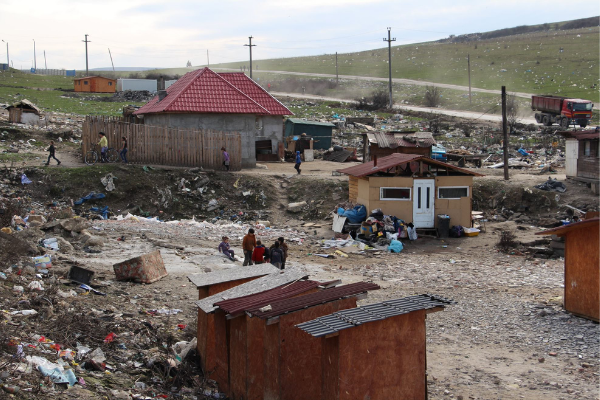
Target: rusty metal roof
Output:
{"points": [[256, 286], [394, 160], [232, 274], [393, 140], [563, 229], [298, 303], [253, 301], [581, 135], [353, 317]]}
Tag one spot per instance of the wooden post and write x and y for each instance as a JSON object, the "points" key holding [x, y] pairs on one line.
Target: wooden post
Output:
{"points": [[469, 69], [505, 133]]}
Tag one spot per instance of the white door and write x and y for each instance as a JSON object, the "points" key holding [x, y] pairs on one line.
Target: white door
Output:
{"points": [[571, 155], [423, 203]]}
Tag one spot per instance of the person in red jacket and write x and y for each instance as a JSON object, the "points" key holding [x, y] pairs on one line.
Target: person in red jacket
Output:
{"points": [[248, 245], [260, 254]]}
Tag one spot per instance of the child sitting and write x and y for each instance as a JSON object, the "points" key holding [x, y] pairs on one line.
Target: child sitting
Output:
{"points": [[260, 253], [224, 248]]}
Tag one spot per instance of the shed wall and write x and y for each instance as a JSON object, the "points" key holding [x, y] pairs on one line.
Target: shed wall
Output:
{"points": [[321, 134], [95, 85], [384, 359], [582, 272], [588, 166]]}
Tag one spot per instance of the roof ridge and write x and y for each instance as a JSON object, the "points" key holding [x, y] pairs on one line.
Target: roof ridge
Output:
{"points": [[236, 88], [170, 101]]}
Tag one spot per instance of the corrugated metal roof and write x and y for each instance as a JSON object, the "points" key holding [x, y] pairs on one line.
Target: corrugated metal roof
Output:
{"points": [[393, 160], [562, 230], [393, 140], [253, 301], [581, 135], [258, 285], [233, 274], [301, 121], [350, 318], [205, 91], [298, 303]]}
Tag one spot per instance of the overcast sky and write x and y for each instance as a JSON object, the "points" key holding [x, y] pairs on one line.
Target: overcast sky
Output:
{"points": [[163, 33]]}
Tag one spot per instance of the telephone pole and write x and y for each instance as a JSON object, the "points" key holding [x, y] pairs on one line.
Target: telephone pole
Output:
{"points": [[207, 59], [505, 133], [390, 40], [336, 70], [34, 59], [250, 45], [86, 54], [469, 69], [111, 60], [7, 59], [45, 63]]}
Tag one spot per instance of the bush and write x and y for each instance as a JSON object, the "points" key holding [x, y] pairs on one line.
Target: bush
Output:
{"points": [[379, 100], [433, 96], [507, 241]]}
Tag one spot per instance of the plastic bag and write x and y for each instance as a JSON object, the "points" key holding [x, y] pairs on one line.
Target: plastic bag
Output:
{"points": [[355, 216], [391, 236], [412, 233], [395, 246]]}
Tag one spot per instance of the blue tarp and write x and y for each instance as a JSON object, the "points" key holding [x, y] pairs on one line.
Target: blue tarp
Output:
{"points": [[355, 216], [91, 196]]}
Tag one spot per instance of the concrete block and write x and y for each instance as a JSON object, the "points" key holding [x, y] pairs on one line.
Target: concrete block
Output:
{"points": [[146, 268], [296, 207], [74, 224]]}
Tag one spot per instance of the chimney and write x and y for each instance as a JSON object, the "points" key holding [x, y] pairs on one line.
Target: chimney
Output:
{"points": [[161, 95], [374, 161], [160, 84]]}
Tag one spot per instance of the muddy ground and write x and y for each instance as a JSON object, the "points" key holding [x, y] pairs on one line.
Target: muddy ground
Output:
{"points": [[506, 337]]}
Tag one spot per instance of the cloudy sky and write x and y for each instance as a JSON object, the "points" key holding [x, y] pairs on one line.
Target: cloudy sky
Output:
{"points": [[151, 33]]}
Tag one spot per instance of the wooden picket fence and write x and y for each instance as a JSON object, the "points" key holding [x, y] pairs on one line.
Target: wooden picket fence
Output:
{"points": [[163, 145]]}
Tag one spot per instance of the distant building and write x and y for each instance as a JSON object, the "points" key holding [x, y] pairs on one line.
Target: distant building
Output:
{"points": [[383, 144], [149, 85], [24, 112], [582, 161], [320, 132], [95, 84]]}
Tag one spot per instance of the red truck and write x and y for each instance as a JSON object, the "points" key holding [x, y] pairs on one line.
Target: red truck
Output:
{"points": [[561, 110]]}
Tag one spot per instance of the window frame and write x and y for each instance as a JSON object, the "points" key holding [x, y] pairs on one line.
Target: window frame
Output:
{"points": [[451, 187], [381, 198], [85, 82]]}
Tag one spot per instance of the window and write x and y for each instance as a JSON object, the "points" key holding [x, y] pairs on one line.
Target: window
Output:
{"points": [[85, 82], [587, 150], [453, 192], [394, 193], [109, 83]]}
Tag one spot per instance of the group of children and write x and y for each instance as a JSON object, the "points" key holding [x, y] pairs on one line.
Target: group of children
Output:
{"points": [[257, 253]]}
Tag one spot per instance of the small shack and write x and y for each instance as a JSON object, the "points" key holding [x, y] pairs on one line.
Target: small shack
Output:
{"points": [[149, 85], [320, 132], [375, 352], [24, 112], [216, 282], [414, 188], [383, 144], [95, 84], [582, 157], [582, 267], [209, 327]]}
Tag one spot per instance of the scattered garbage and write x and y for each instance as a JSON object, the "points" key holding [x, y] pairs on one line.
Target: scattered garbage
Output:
{"points": [[552, 185], [51, 244], [25, 180], [80, 275], [90, 196]]}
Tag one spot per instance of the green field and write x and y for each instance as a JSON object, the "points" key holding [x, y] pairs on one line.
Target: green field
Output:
{"points": [[50, 93], [523, 63]]}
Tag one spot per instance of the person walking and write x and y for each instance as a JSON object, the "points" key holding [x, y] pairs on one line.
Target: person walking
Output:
{"points": [[52, 151], [260, 254], [298, 162], [224, 248], [284, 248], [276, 255], [123, 152], [248, 245], [226, 159], [103, 147]]}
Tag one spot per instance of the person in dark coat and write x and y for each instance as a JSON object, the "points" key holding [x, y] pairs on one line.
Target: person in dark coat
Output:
{"points": [[248, 245], [52, 151], [276, 255]]}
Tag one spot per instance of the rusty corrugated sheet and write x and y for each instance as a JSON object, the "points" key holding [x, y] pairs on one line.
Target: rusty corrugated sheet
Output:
{"points": [[240, 304], [298, 303], [234, 274], [393, 140]]}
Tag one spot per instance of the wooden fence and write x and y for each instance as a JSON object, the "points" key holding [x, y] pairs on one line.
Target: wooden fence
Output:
{"points": [[165, 146]]}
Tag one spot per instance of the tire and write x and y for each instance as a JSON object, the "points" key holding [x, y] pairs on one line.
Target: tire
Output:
{"points": [[564, 123], [112, 155], [91, 157], [546, 120], [538, 118]]}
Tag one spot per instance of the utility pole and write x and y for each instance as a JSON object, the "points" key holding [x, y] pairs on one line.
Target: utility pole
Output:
{"points": [[86, 54], [34, 59], [111, 60], [250, 46], [505, 133], [45, 63], [390, 40], [469, 69], [7, 59], [337, 78], [207, 59]]}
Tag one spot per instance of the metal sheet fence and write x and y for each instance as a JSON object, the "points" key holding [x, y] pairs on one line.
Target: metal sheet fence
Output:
{"points": [[165, 146]]}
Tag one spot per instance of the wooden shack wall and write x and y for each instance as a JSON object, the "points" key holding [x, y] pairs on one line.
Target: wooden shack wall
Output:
{"points": [[588, 165], [383, 360], [582, 272], [352, 188], [293, 358]]}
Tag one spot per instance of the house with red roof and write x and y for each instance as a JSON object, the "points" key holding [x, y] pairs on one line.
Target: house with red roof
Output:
{"points": [[228, 102]]}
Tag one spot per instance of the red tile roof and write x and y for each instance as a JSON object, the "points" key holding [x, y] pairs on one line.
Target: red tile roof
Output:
{"points": [[256, 92], [394, 160], [258, 300], [205, 91], [310, 300]]}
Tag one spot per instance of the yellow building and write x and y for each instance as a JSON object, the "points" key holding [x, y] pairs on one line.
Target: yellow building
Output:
{"points": [[414, 188]]}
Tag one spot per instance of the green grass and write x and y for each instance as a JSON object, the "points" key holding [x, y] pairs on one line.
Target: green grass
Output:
{"points": [[523, 63], [48, 93], [17, 157]]}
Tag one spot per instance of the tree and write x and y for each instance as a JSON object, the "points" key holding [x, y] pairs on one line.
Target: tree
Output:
{"points": [[512, 112]]}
